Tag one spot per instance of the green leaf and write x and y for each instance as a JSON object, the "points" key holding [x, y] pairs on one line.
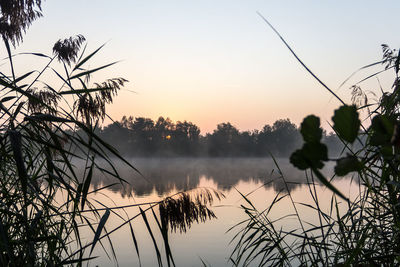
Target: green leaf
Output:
{"points": [[397, 63], [3, 108], [311, 155], [80, 91], [16, 144], [80, 63], [80, 260], [346, 122], [310, 129], [4, 239], [47, 117], [315, 153], [86, 185], [35, 54], [151, 235], [6, 84], [387, 152], [23, 76], [135, 242], [91, 71], [163, 226], [394, 183], [7, 98], [382, 129], [298, 160], [347, 164], [100, 227]]}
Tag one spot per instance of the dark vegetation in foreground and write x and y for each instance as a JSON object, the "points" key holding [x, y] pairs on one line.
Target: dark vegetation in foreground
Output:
{"points": [[46, 207], [358, 230], [39, 229], [147, 138]]}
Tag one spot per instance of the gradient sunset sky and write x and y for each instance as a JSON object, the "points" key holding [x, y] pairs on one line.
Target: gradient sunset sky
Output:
{"points": [[217, 61]]}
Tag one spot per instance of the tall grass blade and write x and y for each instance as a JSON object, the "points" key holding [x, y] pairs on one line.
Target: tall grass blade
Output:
{"points": [[152, 236], [83, 61], [84, 73], [80, 91], [299, 60], [328, 184], [135, 243], [35, 54], [86, 184], [24, 76], [100, 227], [16, 143], [360, 69], [164, 231]]}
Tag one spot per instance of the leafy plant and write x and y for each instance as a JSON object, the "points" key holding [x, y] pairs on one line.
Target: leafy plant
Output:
{"points": [[365, 229], [44, 204]]}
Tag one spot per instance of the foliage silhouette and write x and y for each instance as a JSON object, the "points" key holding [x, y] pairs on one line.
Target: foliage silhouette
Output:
{"points": [[142, 137], [45, 204], [361, 231]]}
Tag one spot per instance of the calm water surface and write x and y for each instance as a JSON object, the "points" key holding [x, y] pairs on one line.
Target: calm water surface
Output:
{"points": [[208, 241]]}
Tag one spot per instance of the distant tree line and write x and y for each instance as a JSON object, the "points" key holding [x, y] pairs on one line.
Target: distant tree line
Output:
{"points": [[143, 137]]}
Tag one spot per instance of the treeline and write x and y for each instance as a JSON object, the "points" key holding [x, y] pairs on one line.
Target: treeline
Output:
{"points": [[143, 137]]}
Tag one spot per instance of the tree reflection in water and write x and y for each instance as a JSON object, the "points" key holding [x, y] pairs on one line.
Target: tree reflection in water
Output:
{"points": [[164, 175]]}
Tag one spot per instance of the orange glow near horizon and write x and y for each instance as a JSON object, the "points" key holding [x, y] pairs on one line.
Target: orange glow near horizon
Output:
{"points": [[211, 62]]}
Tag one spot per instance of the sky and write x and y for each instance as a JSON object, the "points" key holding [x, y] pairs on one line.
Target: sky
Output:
{"points": [[217, 61]]}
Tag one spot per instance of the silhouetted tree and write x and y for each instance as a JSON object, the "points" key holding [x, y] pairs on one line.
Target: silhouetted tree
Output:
{"points": [[118, 136], [224, 141], [162, 135], [247, 143], [143, 137], [286, 137], [185, 138], [264, 141], [280, 139]]}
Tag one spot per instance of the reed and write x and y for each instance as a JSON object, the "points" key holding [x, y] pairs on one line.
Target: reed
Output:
{"points": [[44, 204], [361, 230]]}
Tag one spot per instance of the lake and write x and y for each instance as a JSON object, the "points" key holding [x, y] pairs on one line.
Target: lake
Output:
{"points": [[204, 243]]}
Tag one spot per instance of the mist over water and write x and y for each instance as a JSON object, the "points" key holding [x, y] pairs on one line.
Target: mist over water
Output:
{"points": [[162, 175], [257, 178]]}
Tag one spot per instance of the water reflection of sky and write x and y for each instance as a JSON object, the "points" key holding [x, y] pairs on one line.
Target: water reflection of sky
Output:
{"points": [[208, 241], [165, 175]]}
